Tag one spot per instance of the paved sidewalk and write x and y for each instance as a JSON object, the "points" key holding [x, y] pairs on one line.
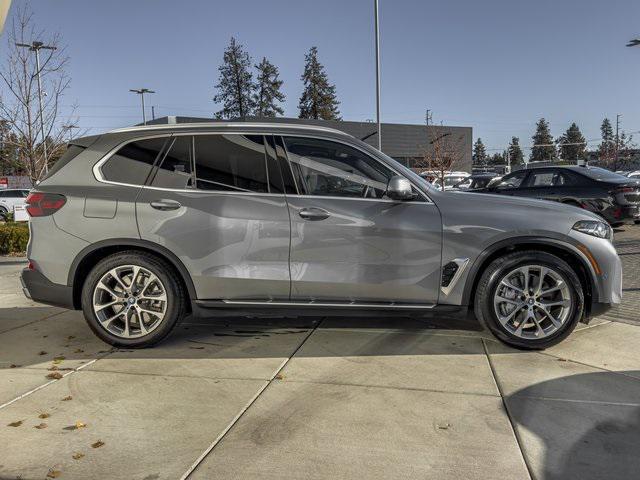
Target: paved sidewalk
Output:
{"points": [[313, 398]]}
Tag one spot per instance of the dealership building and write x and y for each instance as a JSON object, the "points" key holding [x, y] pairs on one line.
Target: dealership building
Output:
{"points": [[406, 143]]}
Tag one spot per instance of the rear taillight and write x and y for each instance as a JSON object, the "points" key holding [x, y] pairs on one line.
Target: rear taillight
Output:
{"points": [[44, 204], [623, 190]]}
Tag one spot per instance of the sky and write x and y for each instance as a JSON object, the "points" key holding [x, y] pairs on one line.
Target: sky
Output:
{"points": [[494, 65]]}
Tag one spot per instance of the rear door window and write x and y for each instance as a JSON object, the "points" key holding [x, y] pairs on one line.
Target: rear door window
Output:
{"points": [[132, 163], [231, 162], [541, 179], [513, 181], [175, 168]]}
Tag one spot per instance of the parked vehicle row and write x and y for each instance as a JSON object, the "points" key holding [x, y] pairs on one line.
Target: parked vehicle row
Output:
{"points": [[614, 197], [10, 198], [142, 226]]}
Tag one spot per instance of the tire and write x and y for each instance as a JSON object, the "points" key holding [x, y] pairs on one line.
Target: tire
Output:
{"points": [[158, 298], [566, 295]]}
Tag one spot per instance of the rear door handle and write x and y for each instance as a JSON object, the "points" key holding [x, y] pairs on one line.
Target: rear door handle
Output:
{"points": [[314, 213], [165, 205]]}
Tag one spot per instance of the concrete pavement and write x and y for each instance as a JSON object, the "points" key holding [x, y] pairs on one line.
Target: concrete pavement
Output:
{"points": [[313, 398]]}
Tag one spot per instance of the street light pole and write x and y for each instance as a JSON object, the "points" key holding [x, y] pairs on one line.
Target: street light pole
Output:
{"points": [[141, 92], [375, 8], [69, 128], [36, 46]]}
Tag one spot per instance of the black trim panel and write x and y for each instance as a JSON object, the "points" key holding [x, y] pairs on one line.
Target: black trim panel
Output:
{"points": [[40, 289]]}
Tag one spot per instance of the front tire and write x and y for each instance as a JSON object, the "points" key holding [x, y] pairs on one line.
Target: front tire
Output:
{"points": [[530, 300], [132, 299]]}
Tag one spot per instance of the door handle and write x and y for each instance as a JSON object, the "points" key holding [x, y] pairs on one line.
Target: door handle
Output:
{"points": [[165, 205], [314, 213]]}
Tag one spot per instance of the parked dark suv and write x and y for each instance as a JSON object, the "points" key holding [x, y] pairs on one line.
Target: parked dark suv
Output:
{"points": [[614, 197], [143, 226]]}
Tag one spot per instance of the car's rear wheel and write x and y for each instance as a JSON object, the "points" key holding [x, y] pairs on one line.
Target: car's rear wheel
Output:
{"points": [[132, 299], [529, 299]]}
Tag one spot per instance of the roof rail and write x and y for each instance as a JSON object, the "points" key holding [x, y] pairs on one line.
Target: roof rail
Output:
{"points": [[269, 125]]}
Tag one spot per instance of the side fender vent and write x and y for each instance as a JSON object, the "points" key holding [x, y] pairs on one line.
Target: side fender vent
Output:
{"points": [[451, 273]]}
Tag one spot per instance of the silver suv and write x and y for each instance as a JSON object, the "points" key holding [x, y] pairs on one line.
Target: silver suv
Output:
{"points": [[143, 226]]}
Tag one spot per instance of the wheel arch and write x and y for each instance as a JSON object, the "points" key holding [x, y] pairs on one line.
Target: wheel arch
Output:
{"points": [[566, 251], [89, 256]]}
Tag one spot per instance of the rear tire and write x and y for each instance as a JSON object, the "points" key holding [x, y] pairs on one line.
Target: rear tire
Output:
{"points": [[132, 314], [525, 315]]}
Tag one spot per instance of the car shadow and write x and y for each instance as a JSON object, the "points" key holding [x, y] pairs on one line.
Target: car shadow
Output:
{"points": [[585, 426]]}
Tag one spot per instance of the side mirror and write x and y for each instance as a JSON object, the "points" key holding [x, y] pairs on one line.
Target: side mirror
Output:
{"points": [[399, 188]]}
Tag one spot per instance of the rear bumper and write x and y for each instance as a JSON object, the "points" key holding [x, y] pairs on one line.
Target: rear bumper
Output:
{"points": [[40, 289], [621, 215]]}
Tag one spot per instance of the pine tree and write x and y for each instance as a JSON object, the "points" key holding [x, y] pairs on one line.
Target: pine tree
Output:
{"points": [[268, 95], [496, 159], [544, 147], [318, 100], [235, 83], [607, 149], [479, 158], [573, 145], [516, 157]]}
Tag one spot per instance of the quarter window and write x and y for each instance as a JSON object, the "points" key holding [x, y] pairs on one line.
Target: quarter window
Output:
{"points": [[132, 163], [514, 180], [231, 163], [328, 168]]}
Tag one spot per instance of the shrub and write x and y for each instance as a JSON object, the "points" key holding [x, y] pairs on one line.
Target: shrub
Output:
{"points": [[13, 238]]}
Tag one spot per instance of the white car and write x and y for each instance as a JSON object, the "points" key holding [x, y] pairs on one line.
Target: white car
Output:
{"points": [[10, 198], [450, 180], [634, 175]]}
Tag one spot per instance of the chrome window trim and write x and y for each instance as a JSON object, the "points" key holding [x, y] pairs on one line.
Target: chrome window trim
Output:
{"points": [[97, 172]]}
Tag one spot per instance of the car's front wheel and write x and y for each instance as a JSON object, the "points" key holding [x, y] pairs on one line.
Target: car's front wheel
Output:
{"points": [[529, 299], [132, 299]]}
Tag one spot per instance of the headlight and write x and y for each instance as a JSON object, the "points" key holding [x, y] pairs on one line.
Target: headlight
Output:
{"points": [[594, 228]]}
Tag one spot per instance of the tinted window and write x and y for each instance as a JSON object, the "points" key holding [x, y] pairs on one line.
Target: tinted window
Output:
{"points": [[328, 168], [513, 181], [567, 179], [3, 194], [132, 163], [602, 174], [231, 163], [174, 170]]}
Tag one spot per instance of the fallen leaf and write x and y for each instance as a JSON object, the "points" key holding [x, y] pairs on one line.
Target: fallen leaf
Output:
{"points": [[77, 426], [42, 352], [54, 473], [77, 456], [58, 360], [70, 337], [562, 359], [98, 444], [444, 426], [80, 424], [280, 376], [52, 369], [13, 365], [79, 350], [44, 415], [41, 426], [15, 424], [66, 399], [55, 375], [197, 348]]}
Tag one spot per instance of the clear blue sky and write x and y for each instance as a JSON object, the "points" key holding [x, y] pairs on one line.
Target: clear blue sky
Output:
{"points": [[494, 65]]}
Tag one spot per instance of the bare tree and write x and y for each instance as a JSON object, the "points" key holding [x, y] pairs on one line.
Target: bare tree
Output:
{"points": [[443, 153], [19, 105]]}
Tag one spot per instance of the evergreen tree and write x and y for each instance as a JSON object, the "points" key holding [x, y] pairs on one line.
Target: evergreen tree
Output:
{"points": [[268, 95], [479, 158], [235, 83], [318, 100], [544, 147], [607, 148], [516, 157], [573, 145], [497, 159]]}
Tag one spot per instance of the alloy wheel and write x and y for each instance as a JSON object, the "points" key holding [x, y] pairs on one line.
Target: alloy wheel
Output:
{"points": [[532, 301], [130, 301]]}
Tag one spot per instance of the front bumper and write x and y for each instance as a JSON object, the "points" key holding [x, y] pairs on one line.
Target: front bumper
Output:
{"points": [[40, 289]]}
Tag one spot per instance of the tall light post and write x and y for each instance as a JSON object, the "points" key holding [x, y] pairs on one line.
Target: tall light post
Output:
{"points": [[141, 92], [36, 46], [375, 8], [69, 128]]}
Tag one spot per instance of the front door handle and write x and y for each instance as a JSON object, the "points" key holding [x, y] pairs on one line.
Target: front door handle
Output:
{"points": [[314, 213], [165, 205]]}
